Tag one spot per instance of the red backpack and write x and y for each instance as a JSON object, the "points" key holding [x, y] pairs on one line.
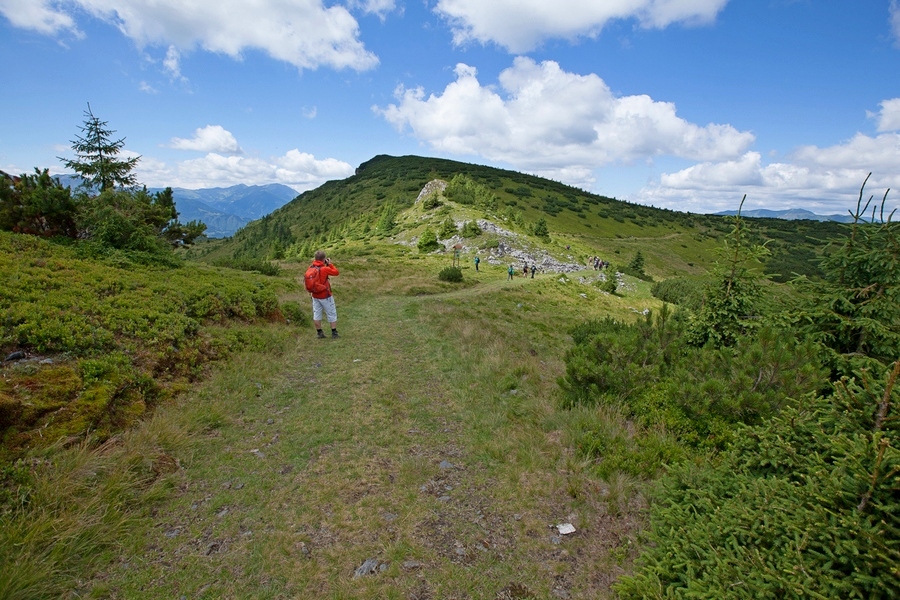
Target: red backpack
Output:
{"points": [[313, 280]]}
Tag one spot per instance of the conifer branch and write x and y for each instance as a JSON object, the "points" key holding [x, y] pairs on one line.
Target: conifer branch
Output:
{"points": [[886, 399], [883, 442]]}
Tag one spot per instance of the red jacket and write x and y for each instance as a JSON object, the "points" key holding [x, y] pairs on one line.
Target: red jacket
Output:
{"points": [[324, 272]]}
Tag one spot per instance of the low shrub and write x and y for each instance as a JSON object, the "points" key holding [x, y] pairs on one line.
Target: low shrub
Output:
{"points": [[470, 229], [490, 242], [431, 201], [294, 313], [451, 274], [681, 291], [428, 241], [804, 506], [252, 265], [697, 394], [448, 229], [117, 335]]}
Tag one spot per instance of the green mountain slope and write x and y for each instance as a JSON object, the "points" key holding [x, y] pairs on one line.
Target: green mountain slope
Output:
{"points": [[345, 215]]}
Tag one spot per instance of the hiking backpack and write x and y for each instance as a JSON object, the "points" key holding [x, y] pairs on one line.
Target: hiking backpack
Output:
{"points": [[313, 280]]}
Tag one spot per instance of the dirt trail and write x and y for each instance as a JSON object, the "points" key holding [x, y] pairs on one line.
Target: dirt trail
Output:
{"points": [[358, 468]]}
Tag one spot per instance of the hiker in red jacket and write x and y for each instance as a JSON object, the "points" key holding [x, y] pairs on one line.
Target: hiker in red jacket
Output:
{"points": [[319, 288]]}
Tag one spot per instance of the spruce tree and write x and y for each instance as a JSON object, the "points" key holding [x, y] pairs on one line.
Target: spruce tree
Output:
{"points": [[97, 153], [540, 229], [637, 263], [731, 297], [855, 314]]}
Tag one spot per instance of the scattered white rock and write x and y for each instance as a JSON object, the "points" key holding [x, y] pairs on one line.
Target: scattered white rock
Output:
{"points": [[565, 528]]}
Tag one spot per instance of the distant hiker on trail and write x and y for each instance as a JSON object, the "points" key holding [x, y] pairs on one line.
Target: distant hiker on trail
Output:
{"points": [[319, 288], [525, 269], [510, 272], [533, 269], [477, 260]]}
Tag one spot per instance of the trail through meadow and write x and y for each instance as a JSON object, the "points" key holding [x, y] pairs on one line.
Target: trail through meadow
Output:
{"points": [[421, 455]]}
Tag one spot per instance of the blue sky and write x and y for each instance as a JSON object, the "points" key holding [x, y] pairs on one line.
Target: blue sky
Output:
{"points": [[684, 104]]}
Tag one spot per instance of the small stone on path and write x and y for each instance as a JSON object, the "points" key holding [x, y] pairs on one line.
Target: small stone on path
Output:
{"points": [[367, 568]]}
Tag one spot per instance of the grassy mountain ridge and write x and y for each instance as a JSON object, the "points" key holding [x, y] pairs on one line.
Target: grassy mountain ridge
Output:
{"points": [[581, 224]]}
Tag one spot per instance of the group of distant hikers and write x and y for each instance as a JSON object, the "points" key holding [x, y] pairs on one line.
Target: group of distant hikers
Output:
{"points": [[511, 270], [598, 263]]}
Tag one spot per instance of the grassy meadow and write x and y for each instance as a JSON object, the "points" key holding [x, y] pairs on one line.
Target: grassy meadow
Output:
{"points": [[427, 438], [177, 431]]}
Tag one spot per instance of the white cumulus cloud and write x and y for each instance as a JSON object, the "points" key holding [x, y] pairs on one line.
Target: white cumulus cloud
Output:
{"points": [[520, 25], [889, 116], [304, 33], [299, 170], [39, 15], [822, 180], [212, 138], [880, 153], [548, 121]]}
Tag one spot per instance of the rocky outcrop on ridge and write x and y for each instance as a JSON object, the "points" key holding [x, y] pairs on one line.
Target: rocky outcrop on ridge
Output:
{"points": [[435, 186], [513, 249]]}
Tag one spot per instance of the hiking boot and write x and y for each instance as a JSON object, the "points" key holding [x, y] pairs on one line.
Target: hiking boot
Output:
{"points": [[320, 335], [334, 335]]}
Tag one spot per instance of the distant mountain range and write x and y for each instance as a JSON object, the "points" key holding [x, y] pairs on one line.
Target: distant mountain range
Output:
{"points": [[791, 214], [224, 210]]}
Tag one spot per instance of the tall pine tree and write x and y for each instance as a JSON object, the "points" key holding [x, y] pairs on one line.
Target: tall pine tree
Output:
{"points": [[97, 156]]}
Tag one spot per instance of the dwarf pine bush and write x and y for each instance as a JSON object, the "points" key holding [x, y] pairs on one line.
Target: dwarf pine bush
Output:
{"points": [[451, 274], [118, 334], [699, 395], [804, 506], [428, 241]]}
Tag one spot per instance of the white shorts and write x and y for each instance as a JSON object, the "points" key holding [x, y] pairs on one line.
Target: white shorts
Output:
{"points": [[325, 305]]}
